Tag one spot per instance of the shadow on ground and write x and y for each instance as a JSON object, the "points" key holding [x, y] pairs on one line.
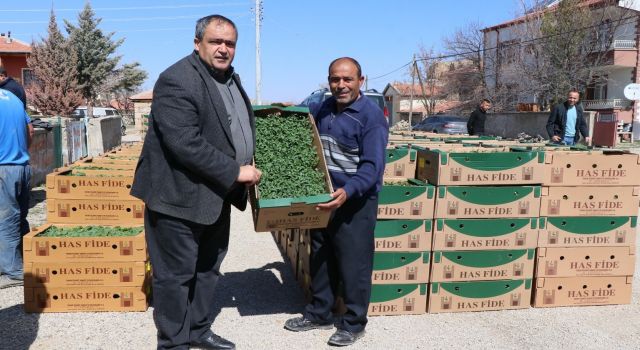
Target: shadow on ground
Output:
{"points": [[18, 330], [36, 196], [259, 291]]}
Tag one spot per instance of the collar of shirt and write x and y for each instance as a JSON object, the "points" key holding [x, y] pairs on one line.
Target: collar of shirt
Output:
{"points": [[355, 106]]}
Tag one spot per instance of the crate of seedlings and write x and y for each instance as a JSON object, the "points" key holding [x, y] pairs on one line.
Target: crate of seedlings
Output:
{"points": [[78, 183], [75, 243], [294, 178]]}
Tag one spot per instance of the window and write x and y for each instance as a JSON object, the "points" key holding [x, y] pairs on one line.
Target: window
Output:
{"points": [[27, 77]]}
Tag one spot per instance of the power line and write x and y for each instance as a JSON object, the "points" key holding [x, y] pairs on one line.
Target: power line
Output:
{"points": [[500, 46], [158, 7]]}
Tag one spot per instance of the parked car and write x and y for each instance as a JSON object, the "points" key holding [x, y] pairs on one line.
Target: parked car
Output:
{"points": [[98, 112], [320, 95], [442, 124]]}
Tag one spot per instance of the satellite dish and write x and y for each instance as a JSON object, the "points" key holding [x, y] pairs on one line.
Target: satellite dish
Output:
{"points": [[632, 92]]}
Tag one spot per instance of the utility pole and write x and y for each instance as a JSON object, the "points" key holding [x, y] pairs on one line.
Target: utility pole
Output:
{"points": [[366, 83], [258, 12], [413, 81]]}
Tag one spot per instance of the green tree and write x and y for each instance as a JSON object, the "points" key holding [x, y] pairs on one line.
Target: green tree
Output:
{"points": [[55, 90], [96, 53], [129, 79]]}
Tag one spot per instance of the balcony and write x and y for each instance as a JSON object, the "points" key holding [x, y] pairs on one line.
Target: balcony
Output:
{"points": [[616, 103], [616, 45]]}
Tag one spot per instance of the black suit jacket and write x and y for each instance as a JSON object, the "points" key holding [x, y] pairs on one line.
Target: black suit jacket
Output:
{"points": [[557, 122], [187, 166]]}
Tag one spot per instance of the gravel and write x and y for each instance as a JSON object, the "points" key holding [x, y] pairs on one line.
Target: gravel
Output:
{"points": [[258, 293]]}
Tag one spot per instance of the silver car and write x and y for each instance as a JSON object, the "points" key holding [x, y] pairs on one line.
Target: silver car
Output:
{"points": [[442, 124]]}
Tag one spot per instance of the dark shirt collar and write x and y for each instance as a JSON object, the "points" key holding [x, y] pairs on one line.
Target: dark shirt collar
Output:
{"points": [[355, 106], [220, 77]]}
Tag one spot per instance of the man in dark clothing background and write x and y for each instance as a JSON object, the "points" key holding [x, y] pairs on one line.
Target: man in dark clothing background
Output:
{"points": [[9, 84], [566, 122], [475, 124]]}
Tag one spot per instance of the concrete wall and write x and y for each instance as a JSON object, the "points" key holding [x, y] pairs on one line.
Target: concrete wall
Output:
{"points": [[73, 139], [103, 134], [509, 125], [42, 156]]}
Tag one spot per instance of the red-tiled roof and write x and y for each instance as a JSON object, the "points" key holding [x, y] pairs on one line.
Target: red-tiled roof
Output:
{"points": [[405, 89], [11, 45], [145, 95]]}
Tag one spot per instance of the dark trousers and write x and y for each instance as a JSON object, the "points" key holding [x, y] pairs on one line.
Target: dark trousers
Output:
{"points": [[186, 259], [343, 253]]}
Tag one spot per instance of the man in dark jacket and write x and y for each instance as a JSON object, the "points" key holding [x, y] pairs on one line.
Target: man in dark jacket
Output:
{"points": [[566, 122], [475, 124], [7, 83], [195, 163]]}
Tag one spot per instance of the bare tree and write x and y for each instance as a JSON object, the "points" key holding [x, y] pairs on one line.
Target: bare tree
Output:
{"points": [[466, 74], [562, 47], [429, 70]]}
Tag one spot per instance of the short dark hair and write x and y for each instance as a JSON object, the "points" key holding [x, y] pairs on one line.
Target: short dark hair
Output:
{"points": [[3, 71], [202, 23], [486, 100], [352, 60], [574, 90]]}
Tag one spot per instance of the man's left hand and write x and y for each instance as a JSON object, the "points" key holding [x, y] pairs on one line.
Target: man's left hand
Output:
{"points": [[587, 140], [339, 197]]}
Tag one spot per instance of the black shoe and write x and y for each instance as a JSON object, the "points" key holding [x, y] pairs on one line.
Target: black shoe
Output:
{"points": [[301, 324], [214, 342], [344, 338]]}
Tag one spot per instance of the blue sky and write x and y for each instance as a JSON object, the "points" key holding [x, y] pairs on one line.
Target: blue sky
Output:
{"points": [[299, 38]]}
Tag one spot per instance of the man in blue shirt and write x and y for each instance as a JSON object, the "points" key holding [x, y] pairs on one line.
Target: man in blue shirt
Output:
{"points": [[354, 134], [566, 123], [16, 133]]}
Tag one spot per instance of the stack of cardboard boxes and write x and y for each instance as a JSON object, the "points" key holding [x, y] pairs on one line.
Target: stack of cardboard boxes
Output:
{"points": [[485, 229], [460, 220], [107, 273], [589, 209], [402, 238]]}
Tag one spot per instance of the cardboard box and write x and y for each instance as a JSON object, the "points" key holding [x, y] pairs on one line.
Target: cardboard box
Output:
{"points": [[414, 201], [82, 249], [113, 160], [586, 261], [95, 162], [479, 296], [300, 212], [398, 299], [465, 167], [484, 234], [95, 212], [588, 231], [592, 168], [582, 291], [304, 281], [482, 265], [98, 273], [403, 235], [471, 202], [400, 267], [304, 252], [400, 163], [590, 201], [61, 185], [293, 240], [85, 299]]}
